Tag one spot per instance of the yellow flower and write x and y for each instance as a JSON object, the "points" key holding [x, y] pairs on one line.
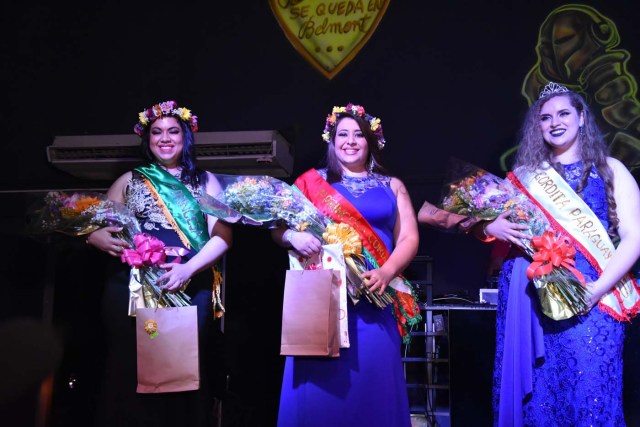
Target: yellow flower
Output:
{"points": [[303, 226], [375, 122], [143, 119], [184, 113]]}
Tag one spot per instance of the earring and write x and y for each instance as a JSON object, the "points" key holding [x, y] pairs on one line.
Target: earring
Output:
{"points": [[371, 164]]}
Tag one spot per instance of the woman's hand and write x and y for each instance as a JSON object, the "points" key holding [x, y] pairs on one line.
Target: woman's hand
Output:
{"points": [[103, 239], [177, 276], [377, 280], [595, 293], [503, 229], [304, 243]]}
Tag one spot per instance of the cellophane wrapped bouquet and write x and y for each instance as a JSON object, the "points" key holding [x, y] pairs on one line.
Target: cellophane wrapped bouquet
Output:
{"points": [[80, 213], [474, 192], [268, 202]]}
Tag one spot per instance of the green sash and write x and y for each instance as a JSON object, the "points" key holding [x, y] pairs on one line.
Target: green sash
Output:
{"points": [[180, 203], [183, 212]]}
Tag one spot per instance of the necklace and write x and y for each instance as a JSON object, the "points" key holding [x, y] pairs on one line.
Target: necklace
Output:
{"points": [[176, 172]]}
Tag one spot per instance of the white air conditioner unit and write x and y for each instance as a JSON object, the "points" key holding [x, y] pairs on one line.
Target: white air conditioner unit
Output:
{"points": [[105, 157]]}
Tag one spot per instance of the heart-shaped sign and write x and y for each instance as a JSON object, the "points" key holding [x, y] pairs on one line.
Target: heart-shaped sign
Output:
{"points": [[329, 34]]}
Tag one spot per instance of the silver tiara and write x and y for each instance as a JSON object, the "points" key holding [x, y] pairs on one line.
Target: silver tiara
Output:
{"points": [[552, 88]]}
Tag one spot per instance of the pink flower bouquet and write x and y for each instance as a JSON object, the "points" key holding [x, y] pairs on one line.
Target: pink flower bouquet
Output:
{"points": [[81, 213]]}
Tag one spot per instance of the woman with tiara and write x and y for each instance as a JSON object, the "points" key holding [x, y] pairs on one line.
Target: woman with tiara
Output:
{"points": [[566, 372]]}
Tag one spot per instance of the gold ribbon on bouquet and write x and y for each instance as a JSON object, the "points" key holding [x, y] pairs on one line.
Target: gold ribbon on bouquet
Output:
{"points": [[349, 238]]}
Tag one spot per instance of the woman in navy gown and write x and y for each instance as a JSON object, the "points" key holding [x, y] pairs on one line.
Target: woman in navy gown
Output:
{"points": [[365, 385], [163, 195], [567, 372]]}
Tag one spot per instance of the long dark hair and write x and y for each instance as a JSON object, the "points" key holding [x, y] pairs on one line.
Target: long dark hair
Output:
{"points": [[533, 150], [334, 169], [191, 174]]}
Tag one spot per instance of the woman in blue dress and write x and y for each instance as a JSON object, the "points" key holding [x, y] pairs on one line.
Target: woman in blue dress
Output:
{"points": [[567, 372], [365, 385]]}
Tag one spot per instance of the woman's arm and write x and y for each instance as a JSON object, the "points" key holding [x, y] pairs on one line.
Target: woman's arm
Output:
{"points": [[117, 190], [301, 241], [502, 229], [103, 238], [406, 241], [627, 197]]}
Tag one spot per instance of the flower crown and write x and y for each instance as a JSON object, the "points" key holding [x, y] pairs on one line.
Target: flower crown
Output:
{"points": [[167, 108], [552, 88], [356, 110]]}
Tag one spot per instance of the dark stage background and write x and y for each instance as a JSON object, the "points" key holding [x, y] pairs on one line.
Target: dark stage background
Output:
{"points": [[444, 77]]}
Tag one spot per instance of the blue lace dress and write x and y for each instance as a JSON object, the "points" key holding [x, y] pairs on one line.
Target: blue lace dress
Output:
{"points": [[365, 386], [579, 381]]}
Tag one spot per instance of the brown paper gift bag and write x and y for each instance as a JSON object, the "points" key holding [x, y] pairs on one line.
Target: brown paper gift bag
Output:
{"points": [[167, 342], [310, 313], [330, 258]]}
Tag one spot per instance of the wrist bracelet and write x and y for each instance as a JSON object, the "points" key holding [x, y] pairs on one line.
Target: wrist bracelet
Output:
{"points": [[484, 231], [287, 236], [485, 237]]}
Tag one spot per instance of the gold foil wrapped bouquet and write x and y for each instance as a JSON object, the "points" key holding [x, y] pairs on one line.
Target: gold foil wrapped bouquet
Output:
{"points": [[474, 192]]}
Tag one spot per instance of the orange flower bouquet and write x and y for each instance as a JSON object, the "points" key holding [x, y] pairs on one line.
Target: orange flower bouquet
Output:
{"points": [[81, 213]]}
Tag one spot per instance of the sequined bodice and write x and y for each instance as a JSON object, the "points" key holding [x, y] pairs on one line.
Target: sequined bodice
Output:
{"points": [[373, 197], [357, 185], [142, 203], [594, 194]]}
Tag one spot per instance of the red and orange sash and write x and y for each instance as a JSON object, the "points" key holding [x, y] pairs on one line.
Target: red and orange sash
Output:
{"points": [[332, 204], [572, 217]]}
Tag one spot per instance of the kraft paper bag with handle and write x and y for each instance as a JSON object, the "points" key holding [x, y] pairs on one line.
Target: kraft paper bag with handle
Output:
{"points": [[310, 313], [167, 342], [331, 257]]}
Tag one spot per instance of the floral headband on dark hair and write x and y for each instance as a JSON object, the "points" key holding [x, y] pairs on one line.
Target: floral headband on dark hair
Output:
{"points": [[356, 110], [165, 109]]}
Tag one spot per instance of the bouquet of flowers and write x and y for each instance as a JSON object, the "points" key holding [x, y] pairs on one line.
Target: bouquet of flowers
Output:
{"points": [[474, 192], [268, 202], [81, 213]]}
